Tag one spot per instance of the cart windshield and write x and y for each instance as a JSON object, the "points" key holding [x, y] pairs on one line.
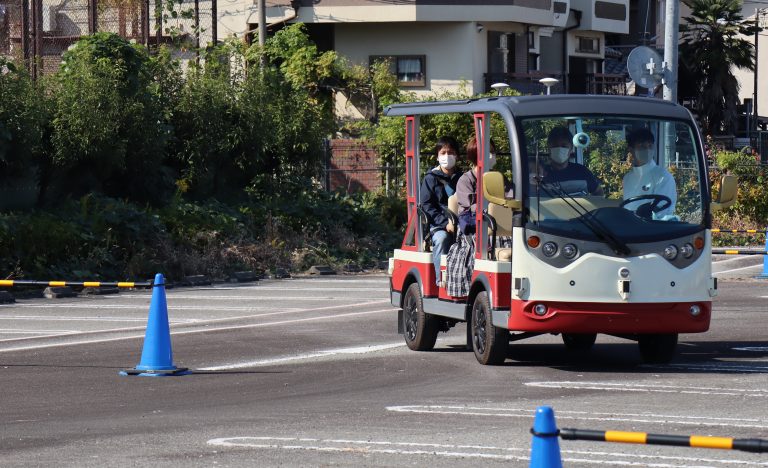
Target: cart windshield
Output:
{"points": [[631, 179]]}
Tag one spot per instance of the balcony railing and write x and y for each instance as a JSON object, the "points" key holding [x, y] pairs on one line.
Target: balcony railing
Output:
{"points": [[525, 83], [605, 83], [589, 83]]}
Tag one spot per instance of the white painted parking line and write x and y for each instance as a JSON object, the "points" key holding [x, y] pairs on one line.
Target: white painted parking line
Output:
{"points": [[244, 298], [366, 447], [185, 332], [650, 388], [75, 305], [12, 331], [380, 280], [225, 319], [302, 357], [754, 267], [383, 280], [652, 418], [384, 288], [65, 318], [729, 259]]}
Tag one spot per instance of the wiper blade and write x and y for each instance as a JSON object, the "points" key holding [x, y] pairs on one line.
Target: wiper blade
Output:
{"points": [[598, 228]]}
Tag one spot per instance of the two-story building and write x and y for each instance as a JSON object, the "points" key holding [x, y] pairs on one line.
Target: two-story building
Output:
{"points": [[444, 44]]}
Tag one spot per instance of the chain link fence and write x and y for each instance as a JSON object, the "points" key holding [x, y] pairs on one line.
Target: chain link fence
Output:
{"points": [[38, 32]]}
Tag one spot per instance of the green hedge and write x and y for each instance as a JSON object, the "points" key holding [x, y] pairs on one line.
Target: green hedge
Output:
{"points": [[101, 237]]}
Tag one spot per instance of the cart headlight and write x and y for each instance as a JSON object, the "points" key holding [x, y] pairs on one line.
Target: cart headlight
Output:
{"points": [[670, 252], [549, 249], [570, 251], [687, 250]]}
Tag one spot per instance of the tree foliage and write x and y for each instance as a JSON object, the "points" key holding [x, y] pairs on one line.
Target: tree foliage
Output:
{"points": [[106, 132], [23, 122], [712, 44]]}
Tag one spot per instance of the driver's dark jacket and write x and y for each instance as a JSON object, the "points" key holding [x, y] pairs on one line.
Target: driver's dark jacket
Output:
{"points": [[435, 189]]}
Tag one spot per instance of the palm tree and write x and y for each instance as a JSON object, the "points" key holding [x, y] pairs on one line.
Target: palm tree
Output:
{"points": [[711, 44]]}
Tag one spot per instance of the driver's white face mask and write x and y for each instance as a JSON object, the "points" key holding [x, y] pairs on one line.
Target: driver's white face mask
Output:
{"points": [[559, 155]]}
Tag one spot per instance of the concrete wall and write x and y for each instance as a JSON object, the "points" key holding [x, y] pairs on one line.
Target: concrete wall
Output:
{"points": [[455, 52]]}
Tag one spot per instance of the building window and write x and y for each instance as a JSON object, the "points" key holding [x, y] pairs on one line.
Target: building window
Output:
{"points": [[410, 70], [590, 45], [611, 11]]}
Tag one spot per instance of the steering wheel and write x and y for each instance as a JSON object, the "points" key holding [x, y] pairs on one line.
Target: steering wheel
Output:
{"points": [[658, 203]]}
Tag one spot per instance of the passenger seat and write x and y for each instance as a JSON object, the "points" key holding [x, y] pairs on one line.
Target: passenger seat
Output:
{"points": [[503, 217]]}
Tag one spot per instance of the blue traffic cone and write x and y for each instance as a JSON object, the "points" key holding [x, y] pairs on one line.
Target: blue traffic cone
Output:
{"points": [[545, 449], [157, 356], [764, 274]]}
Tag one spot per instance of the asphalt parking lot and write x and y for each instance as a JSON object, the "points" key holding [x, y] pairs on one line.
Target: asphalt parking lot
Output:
{"points": [[311, 372]]}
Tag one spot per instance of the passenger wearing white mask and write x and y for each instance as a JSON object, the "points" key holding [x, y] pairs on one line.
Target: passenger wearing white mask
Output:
{"points": [[563, 175], [437, 185], [648, 178]]}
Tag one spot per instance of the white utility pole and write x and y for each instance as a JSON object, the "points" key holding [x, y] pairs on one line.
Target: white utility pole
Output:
{"points": [[671, 37]]}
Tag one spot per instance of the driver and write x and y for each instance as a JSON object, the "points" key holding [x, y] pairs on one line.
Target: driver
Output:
{"points": [[646, 177], [573, 178]]}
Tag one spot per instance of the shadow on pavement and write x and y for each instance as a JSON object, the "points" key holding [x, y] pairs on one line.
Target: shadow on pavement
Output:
{"points": [[699, 357]]}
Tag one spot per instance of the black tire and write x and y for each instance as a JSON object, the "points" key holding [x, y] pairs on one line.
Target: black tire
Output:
{"points": [[489, 343], [419, 328], [579, 341], [658, 349]]}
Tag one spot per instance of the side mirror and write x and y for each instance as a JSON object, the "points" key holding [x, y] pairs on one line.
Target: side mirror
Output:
{"points": [[493, 191], [728, 192]]}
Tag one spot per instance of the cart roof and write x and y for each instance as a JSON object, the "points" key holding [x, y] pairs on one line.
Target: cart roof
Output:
{"points": [[558, 104]]}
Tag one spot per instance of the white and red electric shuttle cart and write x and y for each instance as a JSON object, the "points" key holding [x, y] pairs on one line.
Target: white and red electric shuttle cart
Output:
{"points": [[579, 264]]}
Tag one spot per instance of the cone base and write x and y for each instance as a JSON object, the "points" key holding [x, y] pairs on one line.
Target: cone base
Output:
{"points": [[156, 373]]}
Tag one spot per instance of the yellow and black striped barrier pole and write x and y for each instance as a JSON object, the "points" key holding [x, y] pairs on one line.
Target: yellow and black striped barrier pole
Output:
{"points": [[739, 231], [725, 443], [738, 252], [78, 284]]}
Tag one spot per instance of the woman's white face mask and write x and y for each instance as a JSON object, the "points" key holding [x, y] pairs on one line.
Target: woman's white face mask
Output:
{"points": [[446, 161], [559, 155]]}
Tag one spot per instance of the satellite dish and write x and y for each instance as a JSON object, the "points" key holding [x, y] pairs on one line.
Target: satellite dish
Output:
{"points": [[644, 67]]}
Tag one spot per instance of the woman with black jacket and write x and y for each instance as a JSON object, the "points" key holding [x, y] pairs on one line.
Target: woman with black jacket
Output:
{"points": [[437, 185]]}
